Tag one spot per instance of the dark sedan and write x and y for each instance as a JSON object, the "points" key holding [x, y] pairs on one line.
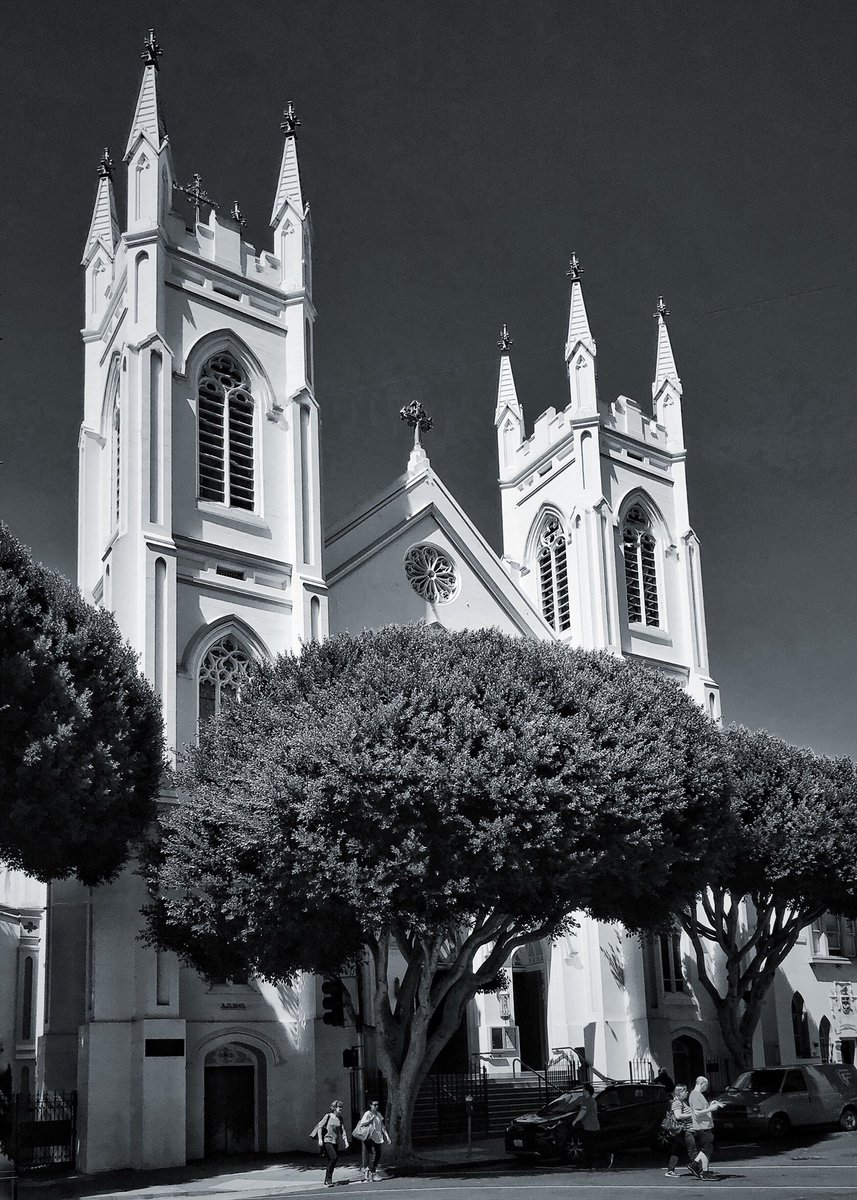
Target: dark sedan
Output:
{"points": [[629, 1114]]}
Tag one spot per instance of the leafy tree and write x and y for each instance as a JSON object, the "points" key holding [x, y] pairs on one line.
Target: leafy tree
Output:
{"points": [[440, 799], [81, 744], [784, 856]]}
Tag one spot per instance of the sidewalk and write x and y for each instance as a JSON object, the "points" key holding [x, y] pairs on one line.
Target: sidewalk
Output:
{"points": [[255, 1177]]}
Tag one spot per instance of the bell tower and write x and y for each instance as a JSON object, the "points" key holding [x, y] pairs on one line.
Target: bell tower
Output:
{"points": [[200, 528], [596, 530]]}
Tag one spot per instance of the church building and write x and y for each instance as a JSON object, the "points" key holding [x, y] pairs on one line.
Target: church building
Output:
{"points": [[200, 527]]}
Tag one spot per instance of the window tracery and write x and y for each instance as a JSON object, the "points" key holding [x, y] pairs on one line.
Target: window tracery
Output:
{"points": [[221, 675], [225, 424], [431, 574], [553, 576], [641, 580]]}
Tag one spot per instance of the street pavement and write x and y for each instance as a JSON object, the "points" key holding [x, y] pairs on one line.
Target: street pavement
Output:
{"points": [[823, 1165]]}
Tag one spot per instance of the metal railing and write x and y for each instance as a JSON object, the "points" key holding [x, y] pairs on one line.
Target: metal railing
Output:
{"points": [[42, 1130]]}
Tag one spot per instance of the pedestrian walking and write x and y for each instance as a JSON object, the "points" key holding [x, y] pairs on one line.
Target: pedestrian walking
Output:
{"points": [[677, 1122], [587, 1120], [700, 1138], [371, 1131], [330, 1133]]}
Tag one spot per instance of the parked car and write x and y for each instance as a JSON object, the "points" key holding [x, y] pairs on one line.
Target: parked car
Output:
{"points": [[773, 1100], [630, 1114]]}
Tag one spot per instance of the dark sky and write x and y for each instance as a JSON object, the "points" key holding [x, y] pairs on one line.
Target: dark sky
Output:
{"points": [[454, 154]]}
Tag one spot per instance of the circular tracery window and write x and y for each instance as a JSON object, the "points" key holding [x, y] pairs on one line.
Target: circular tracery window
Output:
{"points": [[431, 574]]}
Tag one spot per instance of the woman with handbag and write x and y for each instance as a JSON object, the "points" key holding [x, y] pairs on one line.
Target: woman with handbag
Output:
{"points": [[330, 1133], [677, 1123], [370, 1130]]}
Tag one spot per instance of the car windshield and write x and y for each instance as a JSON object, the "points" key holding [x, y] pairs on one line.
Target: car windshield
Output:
{"points": [[758, 1081], [568, 1102]]}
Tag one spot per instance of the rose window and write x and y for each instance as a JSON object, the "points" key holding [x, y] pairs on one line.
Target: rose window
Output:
{"points": [[431, 574]]}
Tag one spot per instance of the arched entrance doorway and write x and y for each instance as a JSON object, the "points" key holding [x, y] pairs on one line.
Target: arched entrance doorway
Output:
{"points": [[529, 992], [233, 1079], [688, 1059]]}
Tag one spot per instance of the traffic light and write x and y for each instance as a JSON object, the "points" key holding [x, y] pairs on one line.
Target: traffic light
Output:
{"points": [[333, 1002]]}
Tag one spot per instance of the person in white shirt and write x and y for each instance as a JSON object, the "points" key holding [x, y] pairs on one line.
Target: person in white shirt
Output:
{"points": [[701, 1133]]}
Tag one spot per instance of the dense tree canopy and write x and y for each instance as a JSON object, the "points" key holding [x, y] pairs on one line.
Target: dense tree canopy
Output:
{"points": [[81, 743], [440, 799], [784, 855]]}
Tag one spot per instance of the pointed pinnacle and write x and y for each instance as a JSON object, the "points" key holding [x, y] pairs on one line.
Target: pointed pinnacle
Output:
{"points": [[151, 51], [505, 340], [105, 165], [575, 270], [291, 121], [661, 309]]}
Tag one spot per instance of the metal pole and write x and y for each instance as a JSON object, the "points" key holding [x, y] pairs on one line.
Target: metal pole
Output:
{"points": [[361, 1047], [468, 1101]]}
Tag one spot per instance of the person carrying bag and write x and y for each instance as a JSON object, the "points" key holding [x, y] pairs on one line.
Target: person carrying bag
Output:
{"points": [[371, 1131], [330, 1132]]}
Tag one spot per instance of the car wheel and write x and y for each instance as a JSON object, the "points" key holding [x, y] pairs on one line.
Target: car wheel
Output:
{"points": [[848, 1120], [573, 1150], [779, 1125]]}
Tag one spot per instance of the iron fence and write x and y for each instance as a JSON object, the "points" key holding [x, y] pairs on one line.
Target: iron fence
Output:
{"points": [[41, 1130], [641, 1070]]}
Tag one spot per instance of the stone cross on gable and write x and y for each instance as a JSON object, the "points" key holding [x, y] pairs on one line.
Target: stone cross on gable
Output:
{"points": [[505, 340], [418, 419]]}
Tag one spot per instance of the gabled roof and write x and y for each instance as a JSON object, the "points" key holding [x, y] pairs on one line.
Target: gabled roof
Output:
{"points": [[416, 506]]}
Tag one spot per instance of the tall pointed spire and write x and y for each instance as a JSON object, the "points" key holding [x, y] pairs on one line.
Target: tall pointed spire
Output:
{"points": [[104, 226], [665, 368], [148, 121], [507, 393], [289, 182], [578, 321]]}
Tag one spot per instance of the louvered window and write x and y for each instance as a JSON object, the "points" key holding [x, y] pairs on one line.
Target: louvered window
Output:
{"points": [[116, 469], [221, 675], [553, 576], [641, 579], [225, 418]]}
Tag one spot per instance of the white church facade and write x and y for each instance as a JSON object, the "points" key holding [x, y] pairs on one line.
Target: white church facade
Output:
{"points": [[201, 529]]}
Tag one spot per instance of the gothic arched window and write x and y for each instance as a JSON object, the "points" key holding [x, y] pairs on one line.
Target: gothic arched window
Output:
{"points": [[800, 1027], [225, 422], [553, 576], [641, 580], [221, 675], [824, 1039]]}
